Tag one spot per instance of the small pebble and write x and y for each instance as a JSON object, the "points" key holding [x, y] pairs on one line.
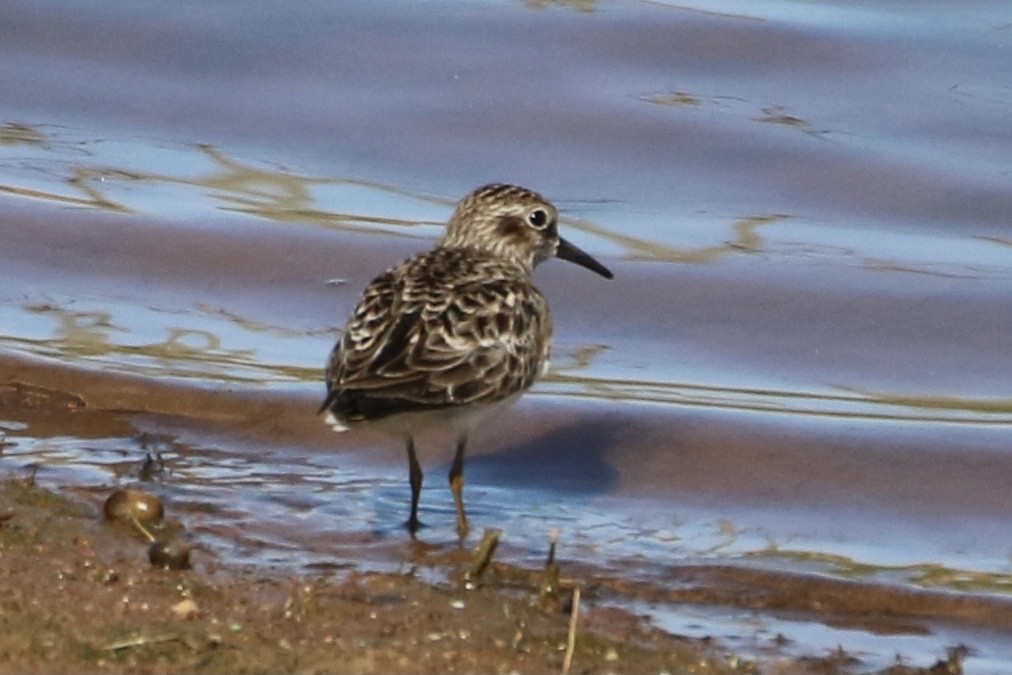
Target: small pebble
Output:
{"points": [[185, 609], [172, 553], [126, 504]]}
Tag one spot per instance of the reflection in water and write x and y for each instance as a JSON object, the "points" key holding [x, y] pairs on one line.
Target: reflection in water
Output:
{"points": [[280, 195], [106, 175], [267, 192], [924, 575], [579, 5], [766, 114], [776, 115], [869, 406], [92, 196], [1000, 240], [81, 333], [259, 326], [54, 166], [675, 98], [565, 379], [198, 353], [186, 352], [21, 134], [270, 192], [744, 237]]}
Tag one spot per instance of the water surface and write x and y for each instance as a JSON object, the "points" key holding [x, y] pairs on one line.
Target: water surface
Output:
{"points": [[801, 367]]}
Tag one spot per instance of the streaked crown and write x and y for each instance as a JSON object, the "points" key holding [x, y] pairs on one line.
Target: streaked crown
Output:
{"points": [[507, 221]]}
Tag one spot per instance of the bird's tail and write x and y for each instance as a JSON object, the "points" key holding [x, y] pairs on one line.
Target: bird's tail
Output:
{"points": [[328, 405]]}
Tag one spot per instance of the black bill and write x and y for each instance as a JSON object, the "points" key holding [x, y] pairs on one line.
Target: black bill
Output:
{"points": [[569, 252]]}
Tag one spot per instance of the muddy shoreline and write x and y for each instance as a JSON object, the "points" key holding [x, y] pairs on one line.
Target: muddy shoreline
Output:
{"points": [[781, 434], [77, 595], [346, 619]]}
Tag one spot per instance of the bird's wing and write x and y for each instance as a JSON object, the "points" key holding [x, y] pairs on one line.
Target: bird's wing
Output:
{"points": [[423, 338]]}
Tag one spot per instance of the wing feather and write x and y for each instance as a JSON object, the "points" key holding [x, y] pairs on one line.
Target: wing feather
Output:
{"points": [[445, 328]]}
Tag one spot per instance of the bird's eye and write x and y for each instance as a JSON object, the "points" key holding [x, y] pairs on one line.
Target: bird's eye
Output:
{"points": [[538, 218]]}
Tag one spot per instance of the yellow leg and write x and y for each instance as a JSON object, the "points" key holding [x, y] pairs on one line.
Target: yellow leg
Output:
{"points": [[457, 485]]}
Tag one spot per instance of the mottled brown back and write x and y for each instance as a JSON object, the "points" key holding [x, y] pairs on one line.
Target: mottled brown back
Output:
{"points": [[449, 327]]}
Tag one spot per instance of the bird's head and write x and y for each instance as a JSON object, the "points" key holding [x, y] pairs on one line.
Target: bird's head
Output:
{"points": [[514, 223]]}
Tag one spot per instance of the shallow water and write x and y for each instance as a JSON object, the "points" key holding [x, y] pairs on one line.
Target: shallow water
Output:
{"points": [[802, 364]]}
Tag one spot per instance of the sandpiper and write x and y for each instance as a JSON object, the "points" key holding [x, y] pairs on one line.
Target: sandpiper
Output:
{"points": [[450, 336]]}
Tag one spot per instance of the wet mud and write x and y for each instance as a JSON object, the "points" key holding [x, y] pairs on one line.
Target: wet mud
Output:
{"points": [[111, 610], [781, 433]]}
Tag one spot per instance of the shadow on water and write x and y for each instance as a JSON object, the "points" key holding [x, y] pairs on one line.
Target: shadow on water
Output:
{"points": [[570, 459]]}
